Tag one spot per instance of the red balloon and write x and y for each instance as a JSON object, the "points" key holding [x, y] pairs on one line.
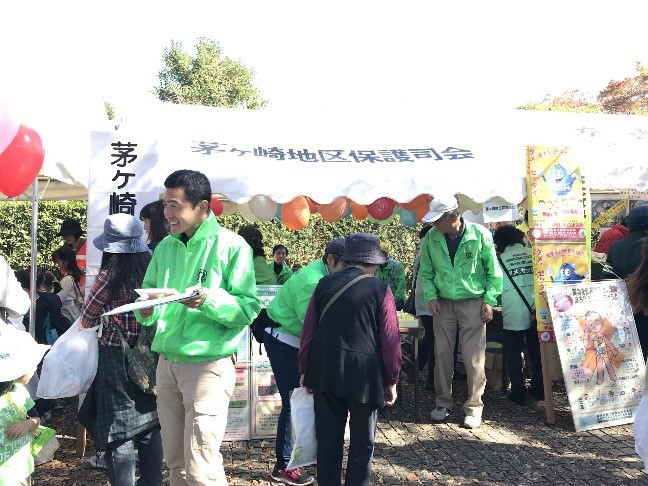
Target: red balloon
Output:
{"points": [[216, 206], [382, 208], [20, 162]]}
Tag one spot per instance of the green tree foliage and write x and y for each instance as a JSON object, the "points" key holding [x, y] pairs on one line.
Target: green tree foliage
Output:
{"points": [[15, 228], [206, 78], [629, 95]]}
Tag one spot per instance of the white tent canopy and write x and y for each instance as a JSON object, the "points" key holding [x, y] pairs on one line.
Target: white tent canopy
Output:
{"points": [[613, 148]]}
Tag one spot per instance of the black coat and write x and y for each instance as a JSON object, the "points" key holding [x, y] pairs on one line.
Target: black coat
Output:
{"points": [[48, 304], [345, 356], [624, 255]]}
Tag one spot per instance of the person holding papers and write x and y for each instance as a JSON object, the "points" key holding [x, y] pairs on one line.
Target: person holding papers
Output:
{"points": [[116, 410], [197, 338]]}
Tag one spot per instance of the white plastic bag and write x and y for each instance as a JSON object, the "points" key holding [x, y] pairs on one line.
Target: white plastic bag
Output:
{"points": [[302, 415], [70, 366], [640, 427]]}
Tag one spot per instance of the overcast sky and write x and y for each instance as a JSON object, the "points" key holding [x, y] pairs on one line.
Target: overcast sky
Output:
{"points": [[392, 58]]}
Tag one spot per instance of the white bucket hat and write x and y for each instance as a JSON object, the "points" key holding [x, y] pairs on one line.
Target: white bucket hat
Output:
{"points": [[19, 354], [439, 206]]}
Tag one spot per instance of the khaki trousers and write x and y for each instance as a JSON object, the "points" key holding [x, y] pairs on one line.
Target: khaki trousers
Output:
{"points": [[192, 406], [473, 349]]}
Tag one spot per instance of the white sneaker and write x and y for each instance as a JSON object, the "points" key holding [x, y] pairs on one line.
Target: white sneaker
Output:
{"points": [[439, 414], [472, 422]]}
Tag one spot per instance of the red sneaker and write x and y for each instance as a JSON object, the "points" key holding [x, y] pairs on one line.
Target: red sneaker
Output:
{"points": [[296, 477]]}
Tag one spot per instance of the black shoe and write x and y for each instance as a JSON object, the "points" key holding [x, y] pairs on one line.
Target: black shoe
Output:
{"points": [[519, 398], [537, 395]]}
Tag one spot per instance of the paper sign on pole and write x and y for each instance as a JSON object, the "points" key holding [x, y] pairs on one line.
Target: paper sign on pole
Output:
{"points": [[499, 211], [599, 350]]}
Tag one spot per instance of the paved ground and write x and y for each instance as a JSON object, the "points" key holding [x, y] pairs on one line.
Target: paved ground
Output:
{"points": [[513, 446]]}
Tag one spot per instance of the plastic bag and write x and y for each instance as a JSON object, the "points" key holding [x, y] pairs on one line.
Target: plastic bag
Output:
{"points": [[44, 445], [302, 414], [70, 366]]}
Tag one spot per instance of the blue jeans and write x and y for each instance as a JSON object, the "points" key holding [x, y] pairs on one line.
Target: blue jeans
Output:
{"points": [[285, 366], [120, 459]]}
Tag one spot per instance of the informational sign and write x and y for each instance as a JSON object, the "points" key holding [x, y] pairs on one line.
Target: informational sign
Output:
{"points": [[499, 212], [267, 293], [607, 213], [599, 350], [238, 414], [266, 416]]}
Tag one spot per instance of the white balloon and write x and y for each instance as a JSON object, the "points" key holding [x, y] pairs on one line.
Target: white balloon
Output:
{"points": [[229, 207], [244, 210], [263, 207]]}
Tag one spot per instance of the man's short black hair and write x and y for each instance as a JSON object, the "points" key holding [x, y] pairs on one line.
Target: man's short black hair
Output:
{"points": [[195, 184]]}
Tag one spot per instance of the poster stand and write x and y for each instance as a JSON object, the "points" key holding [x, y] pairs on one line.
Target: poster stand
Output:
{"points": [[559, 212]]}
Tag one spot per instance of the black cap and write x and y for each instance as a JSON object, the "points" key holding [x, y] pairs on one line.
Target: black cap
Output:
{"points": [[70, 226], [335, 247]]}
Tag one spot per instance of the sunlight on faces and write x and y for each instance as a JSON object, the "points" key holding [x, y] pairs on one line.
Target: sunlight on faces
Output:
{"points": [[147, 228], [280, 256], [182, 216]]}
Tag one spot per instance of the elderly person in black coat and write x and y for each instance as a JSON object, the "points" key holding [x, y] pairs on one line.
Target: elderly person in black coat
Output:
{"points": [[350, 358]]}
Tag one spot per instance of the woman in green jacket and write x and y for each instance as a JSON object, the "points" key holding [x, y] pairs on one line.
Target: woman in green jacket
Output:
{"points": [[278, 265], [264, 274], [519, 325]]}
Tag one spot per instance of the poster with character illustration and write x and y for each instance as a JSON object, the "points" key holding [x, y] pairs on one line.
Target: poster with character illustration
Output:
{"points": [[599, 352]]}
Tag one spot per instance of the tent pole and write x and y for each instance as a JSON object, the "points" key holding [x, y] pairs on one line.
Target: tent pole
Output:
{"points": [[34, 249]]}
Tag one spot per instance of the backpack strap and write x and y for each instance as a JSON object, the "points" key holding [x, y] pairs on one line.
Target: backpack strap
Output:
{"points": [[340, 292]]}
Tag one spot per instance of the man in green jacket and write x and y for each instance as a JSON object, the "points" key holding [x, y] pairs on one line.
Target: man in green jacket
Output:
{"points": [[461, 280], [393, 274], [288, 310], [196, 339]]}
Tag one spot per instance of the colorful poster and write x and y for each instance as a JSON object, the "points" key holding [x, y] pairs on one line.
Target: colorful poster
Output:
{"points": [[238, 414], [599, 350], [559, 225]]}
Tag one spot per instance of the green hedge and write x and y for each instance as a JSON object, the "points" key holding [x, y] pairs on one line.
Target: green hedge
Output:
{"points": [[303, 246], [15, 228]]}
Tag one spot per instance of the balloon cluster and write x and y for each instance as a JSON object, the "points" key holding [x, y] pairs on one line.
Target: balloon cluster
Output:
{"points": [[295, 214], [21, 154]]}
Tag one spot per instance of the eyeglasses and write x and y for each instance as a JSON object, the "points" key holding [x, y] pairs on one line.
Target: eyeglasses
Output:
{"points": [[435, 223]]}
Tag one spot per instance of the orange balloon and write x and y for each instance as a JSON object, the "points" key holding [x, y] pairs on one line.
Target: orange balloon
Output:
{"points": [[334, 211], [421, 211], [417, 202], [312, 205], [358, 211], [295, 214]]}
